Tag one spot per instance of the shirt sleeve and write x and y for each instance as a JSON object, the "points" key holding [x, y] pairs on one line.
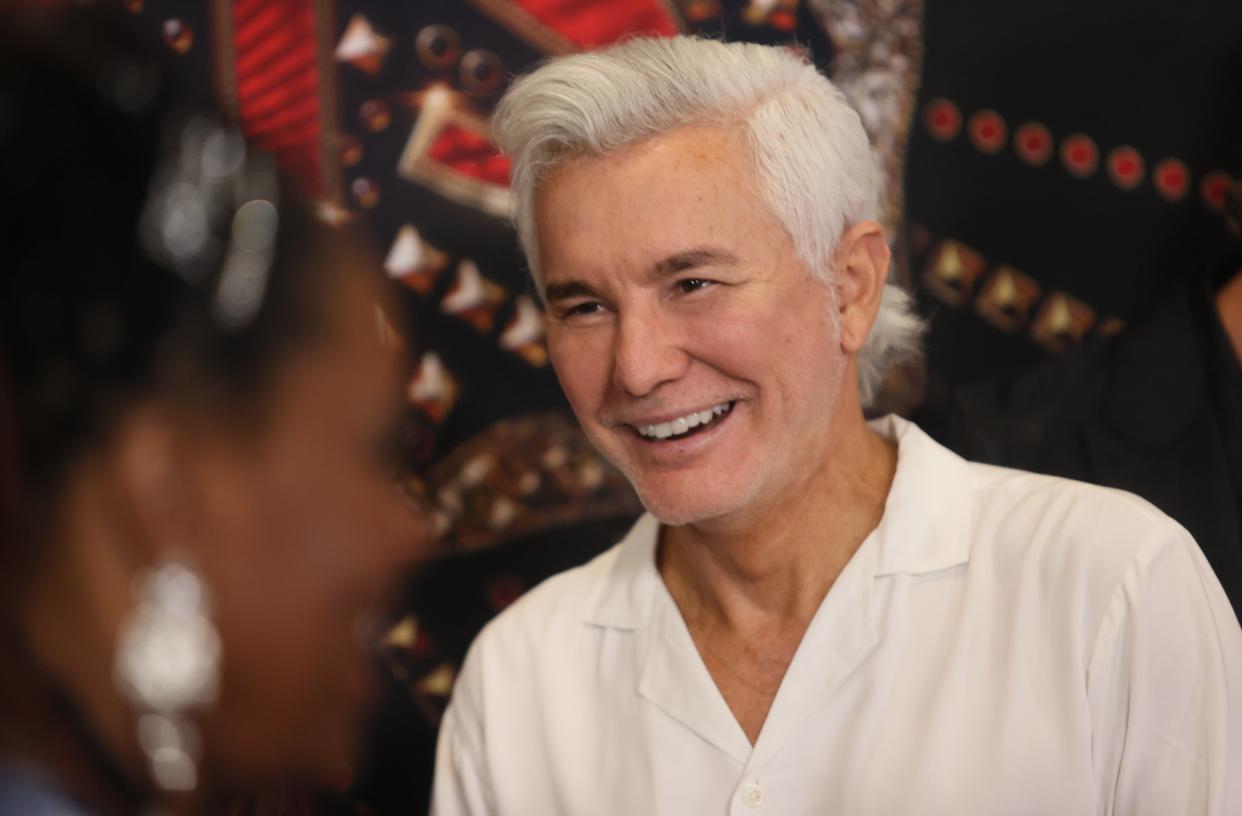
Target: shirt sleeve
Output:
{"points": [[461, 786], [1164, 686]]}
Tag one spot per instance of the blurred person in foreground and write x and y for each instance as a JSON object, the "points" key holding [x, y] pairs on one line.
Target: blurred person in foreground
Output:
{"points": [[818, 614], [196, 408]]}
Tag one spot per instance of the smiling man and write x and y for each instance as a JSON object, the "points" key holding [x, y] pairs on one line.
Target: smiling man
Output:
{"points": [[817, 614]]}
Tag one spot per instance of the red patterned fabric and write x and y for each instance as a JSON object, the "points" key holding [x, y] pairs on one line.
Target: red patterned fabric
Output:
{"points": [[472, 155], [588, 23], [278, 82]]}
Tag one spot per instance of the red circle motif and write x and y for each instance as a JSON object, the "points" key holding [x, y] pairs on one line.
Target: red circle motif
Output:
{"points": [[1172, 179], [1215, 189], [1126, 167], [943, 120], [988, 131], [1079, 155], [1033, 143]]}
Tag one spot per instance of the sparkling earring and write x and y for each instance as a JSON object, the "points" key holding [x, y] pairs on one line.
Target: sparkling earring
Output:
{"points": [[168, 664]]}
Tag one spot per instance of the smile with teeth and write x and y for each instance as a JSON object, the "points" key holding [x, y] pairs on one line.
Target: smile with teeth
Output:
{"points": [[682, 426]]}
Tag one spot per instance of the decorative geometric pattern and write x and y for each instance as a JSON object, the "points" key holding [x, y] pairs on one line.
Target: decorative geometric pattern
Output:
{"points": [[1079, 153], [988, 132], [943, 120], [521, 475], [1006, 298], [277, 79], [449, 151], [565, 26], [1126, 167], [433, 388], [413, 261], [952, 271], [362, 46], [1033, 143], [1063, 321], [1171, 179]]}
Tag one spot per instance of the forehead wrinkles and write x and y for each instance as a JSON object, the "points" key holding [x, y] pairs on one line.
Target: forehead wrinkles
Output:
{"points": [[704, 204], [698, 166], [701, 148]]}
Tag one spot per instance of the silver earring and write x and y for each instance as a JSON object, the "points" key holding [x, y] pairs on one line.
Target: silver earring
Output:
{"points": [[167, 665]]}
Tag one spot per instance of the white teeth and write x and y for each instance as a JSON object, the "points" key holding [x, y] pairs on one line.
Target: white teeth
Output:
{"points": [[682, 425]]}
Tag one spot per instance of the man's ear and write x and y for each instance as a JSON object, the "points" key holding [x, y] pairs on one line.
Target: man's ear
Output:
{"points": [[862, 260]]}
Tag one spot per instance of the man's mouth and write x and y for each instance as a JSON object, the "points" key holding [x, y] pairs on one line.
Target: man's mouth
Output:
{"points": [[685, 426]]}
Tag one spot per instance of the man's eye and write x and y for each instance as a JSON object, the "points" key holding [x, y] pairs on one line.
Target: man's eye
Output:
{"points": [[693, 284], [589, 307]]}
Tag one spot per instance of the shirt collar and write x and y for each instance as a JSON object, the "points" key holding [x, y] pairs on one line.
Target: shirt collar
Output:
{"points": [[928, 513], [629, 585], [925, 528]]}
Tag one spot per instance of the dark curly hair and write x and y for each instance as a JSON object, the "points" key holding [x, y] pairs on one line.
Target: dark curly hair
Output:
{"points": [[146, 250]]}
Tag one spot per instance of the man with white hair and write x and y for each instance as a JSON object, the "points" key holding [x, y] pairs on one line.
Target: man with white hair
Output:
{"points": [[817, 614]]}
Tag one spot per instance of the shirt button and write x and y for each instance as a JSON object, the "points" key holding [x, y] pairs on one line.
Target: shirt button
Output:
{"points": [[752, 795]]}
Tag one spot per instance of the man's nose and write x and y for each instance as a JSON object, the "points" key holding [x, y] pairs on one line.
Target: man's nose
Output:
{"points": [[647, 353]]}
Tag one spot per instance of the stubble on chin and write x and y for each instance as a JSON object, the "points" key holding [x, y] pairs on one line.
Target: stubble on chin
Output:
{"points": [[678, 508]]}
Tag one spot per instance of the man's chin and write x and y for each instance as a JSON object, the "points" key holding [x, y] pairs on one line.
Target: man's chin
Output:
{"points": [[688, 496], [680, 510]]}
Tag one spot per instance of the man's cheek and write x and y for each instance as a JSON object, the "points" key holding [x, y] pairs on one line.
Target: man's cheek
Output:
{"points": [[583, 377]]}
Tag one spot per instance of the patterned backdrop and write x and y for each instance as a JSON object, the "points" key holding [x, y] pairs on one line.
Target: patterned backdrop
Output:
{"points": [[1049, 171]]}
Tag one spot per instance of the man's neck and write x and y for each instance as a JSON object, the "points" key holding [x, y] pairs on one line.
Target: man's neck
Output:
{"points": [[776, 564]]}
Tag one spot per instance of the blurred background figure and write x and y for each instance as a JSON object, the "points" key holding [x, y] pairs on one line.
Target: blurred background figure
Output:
{"points": [[1155, 410], [198, 425]]}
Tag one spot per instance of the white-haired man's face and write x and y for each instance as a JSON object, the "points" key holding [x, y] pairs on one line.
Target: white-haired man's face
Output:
{"points": [[695, 348]]}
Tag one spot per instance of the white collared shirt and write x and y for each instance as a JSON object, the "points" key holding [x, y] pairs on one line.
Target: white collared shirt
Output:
{"points": [[1002, 643]]}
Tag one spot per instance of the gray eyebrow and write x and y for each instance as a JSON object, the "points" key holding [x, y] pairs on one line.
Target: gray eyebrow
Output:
{"points": [[677, 262], [569, 289], [692, 259]]}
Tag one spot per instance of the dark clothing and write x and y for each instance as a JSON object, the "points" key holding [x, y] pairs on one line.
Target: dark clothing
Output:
{"points": [[1156, 78], [25, 792], [1156, 411]]}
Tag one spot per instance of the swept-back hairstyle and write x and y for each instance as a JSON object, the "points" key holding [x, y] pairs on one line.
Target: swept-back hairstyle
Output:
{"points": [[813, 162]]}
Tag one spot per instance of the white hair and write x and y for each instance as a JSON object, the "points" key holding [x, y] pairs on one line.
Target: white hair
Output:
{"points": [[814, 165]]}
